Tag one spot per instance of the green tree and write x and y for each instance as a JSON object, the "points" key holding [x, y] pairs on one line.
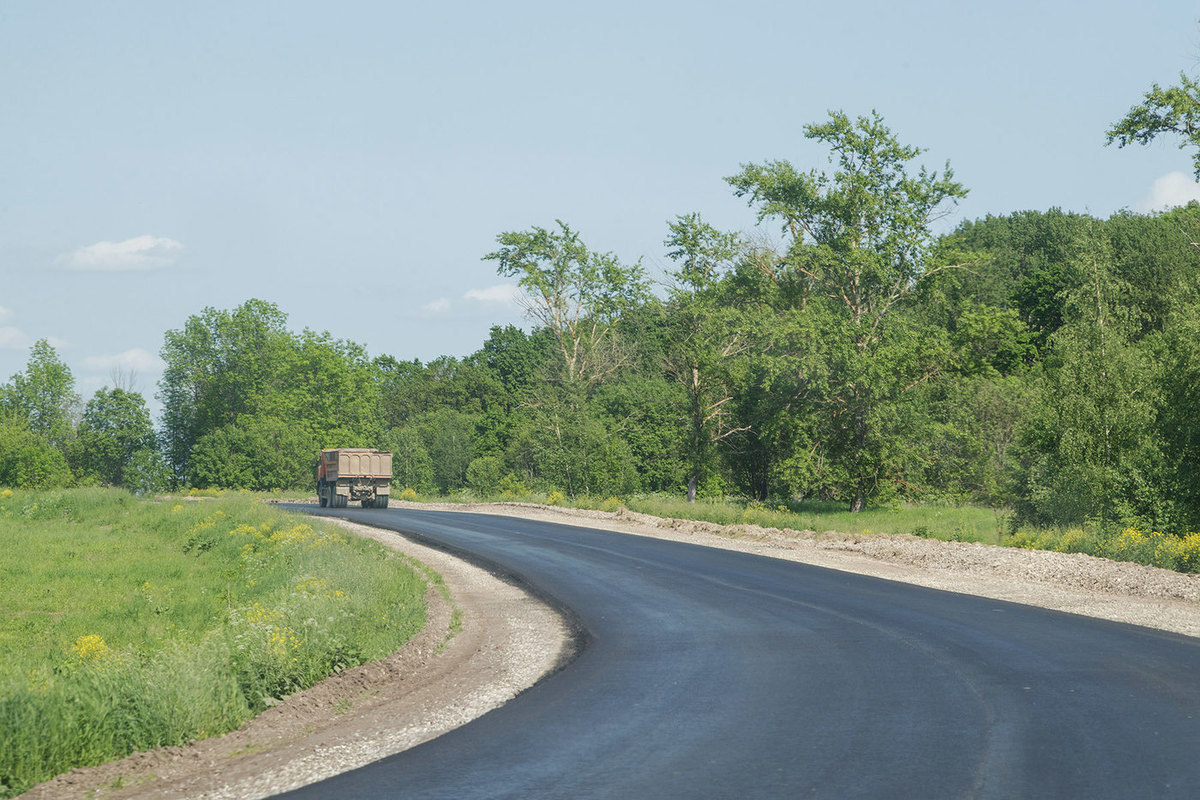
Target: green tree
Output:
{"points": [[28, 460], [259, 453], [329, 388], [564, 445], [1176, 421], [44, 395], [484, 473], [860, 236], [115, 427], [575, 293], [412, 468], [1174, 110], [702, 337], [220, 366], [1022, 262], [227, 367], [858, 243], [1089, 445], [449, 437]]}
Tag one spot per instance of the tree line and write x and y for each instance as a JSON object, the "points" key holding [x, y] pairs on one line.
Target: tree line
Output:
{"points": [[1044, 361]]}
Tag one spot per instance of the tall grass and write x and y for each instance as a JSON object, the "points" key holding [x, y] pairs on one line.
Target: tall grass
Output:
{"points": [[130, 624]]}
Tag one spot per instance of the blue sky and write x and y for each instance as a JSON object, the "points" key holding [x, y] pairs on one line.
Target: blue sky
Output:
{"points": [[353, 161]]}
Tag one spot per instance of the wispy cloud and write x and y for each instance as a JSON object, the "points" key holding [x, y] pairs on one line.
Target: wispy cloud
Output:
{"points": [[138, 253], [13, 338], [439, 306], [1171, 190], [5, 314], [505, 294], [136, 360]]}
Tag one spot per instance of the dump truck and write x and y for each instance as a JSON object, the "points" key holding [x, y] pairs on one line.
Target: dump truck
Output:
{"points": [[347, 474]]}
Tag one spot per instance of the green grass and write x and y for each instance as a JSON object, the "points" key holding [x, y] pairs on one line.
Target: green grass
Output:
{"points": [[950, 523], [131, 623]]}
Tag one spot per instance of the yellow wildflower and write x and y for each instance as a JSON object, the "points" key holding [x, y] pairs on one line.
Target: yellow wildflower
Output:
{"points": [[90, 647]]}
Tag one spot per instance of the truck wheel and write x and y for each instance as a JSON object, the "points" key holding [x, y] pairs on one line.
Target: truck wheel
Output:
{"points": [[322, 499], [381, 502]]}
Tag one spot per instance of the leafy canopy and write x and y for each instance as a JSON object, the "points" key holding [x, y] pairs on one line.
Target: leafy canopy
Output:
{"points": [[1175, 109]]}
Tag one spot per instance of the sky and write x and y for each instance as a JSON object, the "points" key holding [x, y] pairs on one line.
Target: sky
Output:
{"points": [[352, 162]]}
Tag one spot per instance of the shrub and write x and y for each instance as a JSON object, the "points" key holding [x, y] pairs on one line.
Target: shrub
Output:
{"points": [[483, 474]]}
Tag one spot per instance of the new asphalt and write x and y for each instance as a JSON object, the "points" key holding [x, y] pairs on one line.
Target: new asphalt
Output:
{"points": [[705, 673]]}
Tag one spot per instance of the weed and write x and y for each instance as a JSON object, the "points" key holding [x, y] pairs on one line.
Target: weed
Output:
{"points": [[132, 624]]}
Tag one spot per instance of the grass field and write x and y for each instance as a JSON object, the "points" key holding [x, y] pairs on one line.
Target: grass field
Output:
{"points": [[130, 624]]}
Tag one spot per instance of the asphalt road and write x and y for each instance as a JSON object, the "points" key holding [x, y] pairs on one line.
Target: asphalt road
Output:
{"points": [[707, 673]]}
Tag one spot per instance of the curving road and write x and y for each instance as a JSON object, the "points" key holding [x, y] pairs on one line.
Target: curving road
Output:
{"points": [[707, 673]]}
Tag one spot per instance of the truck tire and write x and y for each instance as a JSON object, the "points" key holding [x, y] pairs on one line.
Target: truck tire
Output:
{"points": [[381, 502]]}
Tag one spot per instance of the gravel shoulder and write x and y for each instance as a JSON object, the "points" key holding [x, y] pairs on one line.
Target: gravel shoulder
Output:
{"points": [[489, 641]]}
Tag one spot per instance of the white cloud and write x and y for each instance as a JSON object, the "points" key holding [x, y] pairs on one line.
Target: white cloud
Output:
{"points": [[501, 294], [1171, 190], [13, 339], [138, 253], [135, 360], [439, 306], [5, 314]]}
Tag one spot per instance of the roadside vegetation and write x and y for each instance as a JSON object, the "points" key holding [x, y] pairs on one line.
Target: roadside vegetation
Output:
{"points": [[133, 623], [946, 522]]}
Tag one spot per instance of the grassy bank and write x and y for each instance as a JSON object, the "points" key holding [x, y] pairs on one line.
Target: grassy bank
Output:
{"points": [[132, 623]]}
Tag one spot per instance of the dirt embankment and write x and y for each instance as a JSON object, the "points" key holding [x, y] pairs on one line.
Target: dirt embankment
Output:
{"points": [[508, 641]]}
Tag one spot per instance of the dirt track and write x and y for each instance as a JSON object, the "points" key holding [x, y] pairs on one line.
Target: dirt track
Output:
{"points": [[508, 641]]}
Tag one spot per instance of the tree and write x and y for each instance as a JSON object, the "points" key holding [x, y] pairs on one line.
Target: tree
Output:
{"points": [[412, 467], [28, 460], [565, 445], [575, 293], [224, 368], [862, 235], [1174, 110], [484, 473], [449, 437], [858, 243], [701, 337], [115, 427], [258, 453], [220, 366], [1089, 445], [1180, 435], [44, 395]]}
